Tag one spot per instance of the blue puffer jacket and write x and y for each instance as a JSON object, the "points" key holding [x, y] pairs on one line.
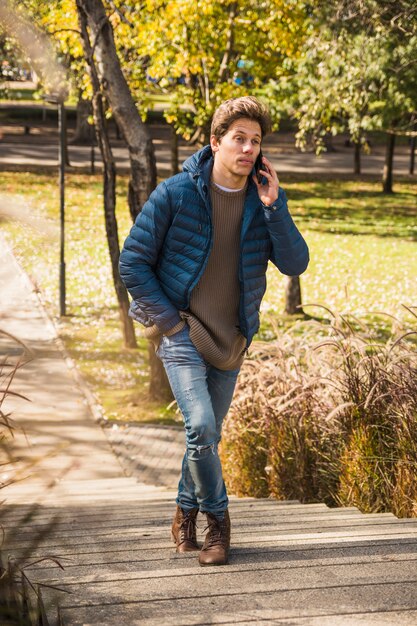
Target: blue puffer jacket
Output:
{"points": [[168, 247]]}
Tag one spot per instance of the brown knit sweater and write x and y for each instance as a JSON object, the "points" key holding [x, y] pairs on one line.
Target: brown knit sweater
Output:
{"points": [[214, 304], [213, 315]]}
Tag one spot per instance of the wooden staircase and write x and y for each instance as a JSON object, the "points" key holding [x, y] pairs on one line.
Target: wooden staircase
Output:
{"points": [[291, 563]]}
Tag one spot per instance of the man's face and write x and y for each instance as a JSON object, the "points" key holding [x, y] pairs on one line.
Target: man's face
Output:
{"points": [[236, 152]]}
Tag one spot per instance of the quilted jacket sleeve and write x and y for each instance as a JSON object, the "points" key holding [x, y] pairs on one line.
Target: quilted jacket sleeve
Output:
{"points": [[139, 259], [289, 250]]}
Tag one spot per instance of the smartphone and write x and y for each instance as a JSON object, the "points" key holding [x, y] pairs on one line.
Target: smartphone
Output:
{"points": [[258, 166]]}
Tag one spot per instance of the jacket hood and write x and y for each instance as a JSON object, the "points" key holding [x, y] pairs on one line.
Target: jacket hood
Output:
{"points": [[194, 164]]}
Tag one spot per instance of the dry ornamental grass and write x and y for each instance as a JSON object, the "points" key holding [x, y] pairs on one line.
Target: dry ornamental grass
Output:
{"points": [[21, 601], [328, 414]]}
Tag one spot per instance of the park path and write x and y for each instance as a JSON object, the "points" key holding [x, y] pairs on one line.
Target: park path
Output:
{"points": [[39, 150], [291, 563], [24, 155]]}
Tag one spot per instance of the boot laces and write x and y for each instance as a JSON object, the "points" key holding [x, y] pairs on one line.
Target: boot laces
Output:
{"points": [[188, 527], [217, 532]]}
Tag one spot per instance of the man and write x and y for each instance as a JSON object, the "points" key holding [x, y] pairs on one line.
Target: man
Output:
{"points": [[195, 264]]}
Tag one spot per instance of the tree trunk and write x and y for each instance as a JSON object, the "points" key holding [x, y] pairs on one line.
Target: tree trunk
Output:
{"points": [[412, 154], [142, 158], [117, 92], [109, 187], [230, 42], [174, 152], [328, 142], [293, 296], [357, 158], [83, 130], [159, 388], [389, 163]]}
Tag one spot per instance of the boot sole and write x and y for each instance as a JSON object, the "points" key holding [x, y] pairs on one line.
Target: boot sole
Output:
{"points": [[215, 564]]}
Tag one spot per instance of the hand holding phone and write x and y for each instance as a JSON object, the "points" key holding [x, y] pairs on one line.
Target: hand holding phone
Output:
{"points": [[266, 180], [259, 165]]}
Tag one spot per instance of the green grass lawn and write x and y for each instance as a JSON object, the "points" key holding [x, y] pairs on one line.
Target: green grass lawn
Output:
{"points": [[362, 247], [21, 95], [363, 260]]}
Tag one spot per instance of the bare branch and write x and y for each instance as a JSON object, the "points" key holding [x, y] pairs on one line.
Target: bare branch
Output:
{"points": [[120, 14], [64, 30]]}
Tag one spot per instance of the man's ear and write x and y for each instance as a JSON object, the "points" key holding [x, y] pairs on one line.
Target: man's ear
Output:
{"points": [[214, 143]]}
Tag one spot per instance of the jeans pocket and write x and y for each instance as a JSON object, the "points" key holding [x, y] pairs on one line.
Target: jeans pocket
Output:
{"points": [[180, 338], [159, 350]]}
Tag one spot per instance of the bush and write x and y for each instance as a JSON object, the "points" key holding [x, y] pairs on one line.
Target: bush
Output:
{"points": [[327, 412]]}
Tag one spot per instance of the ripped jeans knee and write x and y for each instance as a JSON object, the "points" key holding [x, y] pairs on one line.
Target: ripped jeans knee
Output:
{"points": [[212, 447], [203, 449]]}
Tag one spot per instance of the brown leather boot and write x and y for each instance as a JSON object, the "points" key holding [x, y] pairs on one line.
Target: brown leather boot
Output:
{"points": [[215, 550], [183, 531]]}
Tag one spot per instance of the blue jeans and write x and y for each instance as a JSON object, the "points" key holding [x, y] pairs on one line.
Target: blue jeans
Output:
{"points": [[203, 394]]}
